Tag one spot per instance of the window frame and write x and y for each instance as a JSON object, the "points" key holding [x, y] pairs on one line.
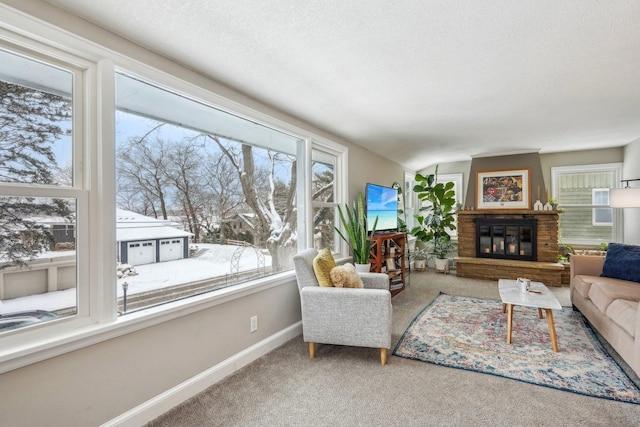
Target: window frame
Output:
{"points": [[616, 170], [338, 171], [82, 72], [594, 219], [94, 188]]}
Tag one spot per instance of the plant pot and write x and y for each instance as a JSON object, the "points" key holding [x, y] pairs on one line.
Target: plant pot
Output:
{"points": [[442, 264], [363, 268], [419, 264]]}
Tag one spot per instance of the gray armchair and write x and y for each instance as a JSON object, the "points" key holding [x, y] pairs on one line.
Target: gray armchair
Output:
{"points": [[344, 316]]}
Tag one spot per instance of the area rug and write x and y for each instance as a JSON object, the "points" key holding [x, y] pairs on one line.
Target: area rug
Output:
{"points": [[470, 333]]}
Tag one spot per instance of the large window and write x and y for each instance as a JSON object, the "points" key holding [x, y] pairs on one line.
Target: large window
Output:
{"points": [[40, 190], [203, 196], [583, 194], [119, 193]]}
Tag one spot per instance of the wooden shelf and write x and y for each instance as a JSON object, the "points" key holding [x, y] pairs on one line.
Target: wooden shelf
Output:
{"points": [[388, 255]]}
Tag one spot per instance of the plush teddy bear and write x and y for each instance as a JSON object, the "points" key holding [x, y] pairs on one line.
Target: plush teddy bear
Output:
{"points": [[345, 276]]}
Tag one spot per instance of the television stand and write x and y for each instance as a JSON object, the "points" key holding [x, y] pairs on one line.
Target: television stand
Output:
{"points": [[388, 256]]}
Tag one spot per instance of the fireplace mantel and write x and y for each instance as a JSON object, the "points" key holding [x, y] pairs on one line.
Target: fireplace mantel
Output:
{"points": [[506, 212]]}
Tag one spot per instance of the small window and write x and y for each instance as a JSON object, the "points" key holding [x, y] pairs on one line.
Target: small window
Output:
{"points": [[601, 216], [323, 198]]}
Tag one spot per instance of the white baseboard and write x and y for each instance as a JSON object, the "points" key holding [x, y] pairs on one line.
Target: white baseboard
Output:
{"points": [[162, 403]]}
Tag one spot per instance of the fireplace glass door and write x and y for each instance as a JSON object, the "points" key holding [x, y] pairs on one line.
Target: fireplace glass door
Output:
{"points": [[506, 238]]}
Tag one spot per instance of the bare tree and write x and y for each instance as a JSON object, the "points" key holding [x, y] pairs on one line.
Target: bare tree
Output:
{"points": [[222, 191], [141, 172], [322, 190], [277, 227], [184, 170]]}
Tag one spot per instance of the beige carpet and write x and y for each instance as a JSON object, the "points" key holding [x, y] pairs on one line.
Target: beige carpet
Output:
{"points": [[346, 386]]}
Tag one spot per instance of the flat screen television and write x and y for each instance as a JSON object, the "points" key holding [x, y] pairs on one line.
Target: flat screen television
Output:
{"points": [[383, 203]]}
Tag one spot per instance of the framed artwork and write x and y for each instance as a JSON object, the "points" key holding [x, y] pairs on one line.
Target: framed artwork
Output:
{"points": [[503, 189]]}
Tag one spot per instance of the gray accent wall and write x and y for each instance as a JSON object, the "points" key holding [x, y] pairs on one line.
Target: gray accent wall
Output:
{"points": [[530, 161]]}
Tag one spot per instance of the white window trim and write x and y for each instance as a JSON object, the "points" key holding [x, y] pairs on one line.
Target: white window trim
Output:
{"points": [[602, 167], [26, 346], [339, 156]]}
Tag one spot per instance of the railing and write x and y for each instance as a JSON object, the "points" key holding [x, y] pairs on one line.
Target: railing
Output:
{"points": [[239, 243]]}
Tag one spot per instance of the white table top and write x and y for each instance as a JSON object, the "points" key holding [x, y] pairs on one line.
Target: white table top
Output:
{"points": [[511, 294]]}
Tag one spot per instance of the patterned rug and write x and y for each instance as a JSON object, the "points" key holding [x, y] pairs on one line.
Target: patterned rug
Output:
{"points": [[470, 333]]}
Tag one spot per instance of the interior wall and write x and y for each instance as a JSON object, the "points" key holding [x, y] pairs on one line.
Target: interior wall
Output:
{"points": [[631, 170], [365, 166], [576, 158], [95, 384], [546, 162], [529, 161]]}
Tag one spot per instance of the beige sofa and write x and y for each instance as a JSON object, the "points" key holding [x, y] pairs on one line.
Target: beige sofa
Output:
{"points": [[610, 305]]}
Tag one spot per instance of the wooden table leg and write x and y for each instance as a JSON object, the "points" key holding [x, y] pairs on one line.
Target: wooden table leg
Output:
{"points": [[552, 330], [504, 307], [509, 323], [539, 313]]}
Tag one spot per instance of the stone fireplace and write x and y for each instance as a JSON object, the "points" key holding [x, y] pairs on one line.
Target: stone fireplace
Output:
{"points": [[505, 244]]}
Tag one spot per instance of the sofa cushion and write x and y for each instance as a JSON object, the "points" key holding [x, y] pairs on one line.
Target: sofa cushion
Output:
{"points": [[622, 262], [604, 292], [322, 265], [623, 313], [582, 283]]}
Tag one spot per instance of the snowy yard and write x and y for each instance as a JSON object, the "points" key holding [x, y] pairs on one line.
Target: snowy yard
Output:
{"points": [[215, 262]]}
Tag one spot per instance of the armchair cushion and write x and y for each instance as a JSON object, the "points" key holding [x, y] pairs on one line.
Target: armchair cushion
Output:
{"points": [[345, 276], [322, 265]]}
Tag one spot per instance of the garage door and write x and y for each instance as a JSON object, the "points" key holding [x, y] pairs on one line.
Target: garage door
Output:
{"points": [[141, 253], [170, 249]]}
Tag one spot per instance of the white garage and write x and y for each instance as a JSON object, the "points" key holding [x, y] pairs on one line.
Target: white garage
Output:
{"points": [[139, 253], [171, 249], [145, 240]]}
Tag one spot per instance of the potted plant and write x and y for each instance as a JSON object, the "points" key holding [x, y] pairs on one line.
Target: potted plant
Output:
{"points": [[440, 247], [564, 252], [420, 256], [355, 226], [435, 219]]}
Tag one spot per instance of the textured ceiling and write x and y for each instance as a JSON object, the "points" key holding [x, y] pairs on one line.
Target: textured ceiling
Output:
{"points": [[417, 81]]}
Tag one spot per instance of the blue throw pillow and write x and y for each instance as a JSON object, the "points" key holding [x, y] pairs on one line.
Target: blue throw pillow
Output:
{"points": [[622, 262]]}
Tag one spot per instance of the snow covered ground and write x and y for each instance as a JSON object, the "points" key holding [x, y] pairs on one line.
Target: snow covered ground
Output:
{"points": [[215, 262]]}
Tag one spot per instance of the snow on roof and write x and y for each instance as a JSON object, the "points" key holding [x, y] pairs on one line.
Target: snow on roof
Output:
{"points": [[134, 226], [146, 233], [244, 217]]}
